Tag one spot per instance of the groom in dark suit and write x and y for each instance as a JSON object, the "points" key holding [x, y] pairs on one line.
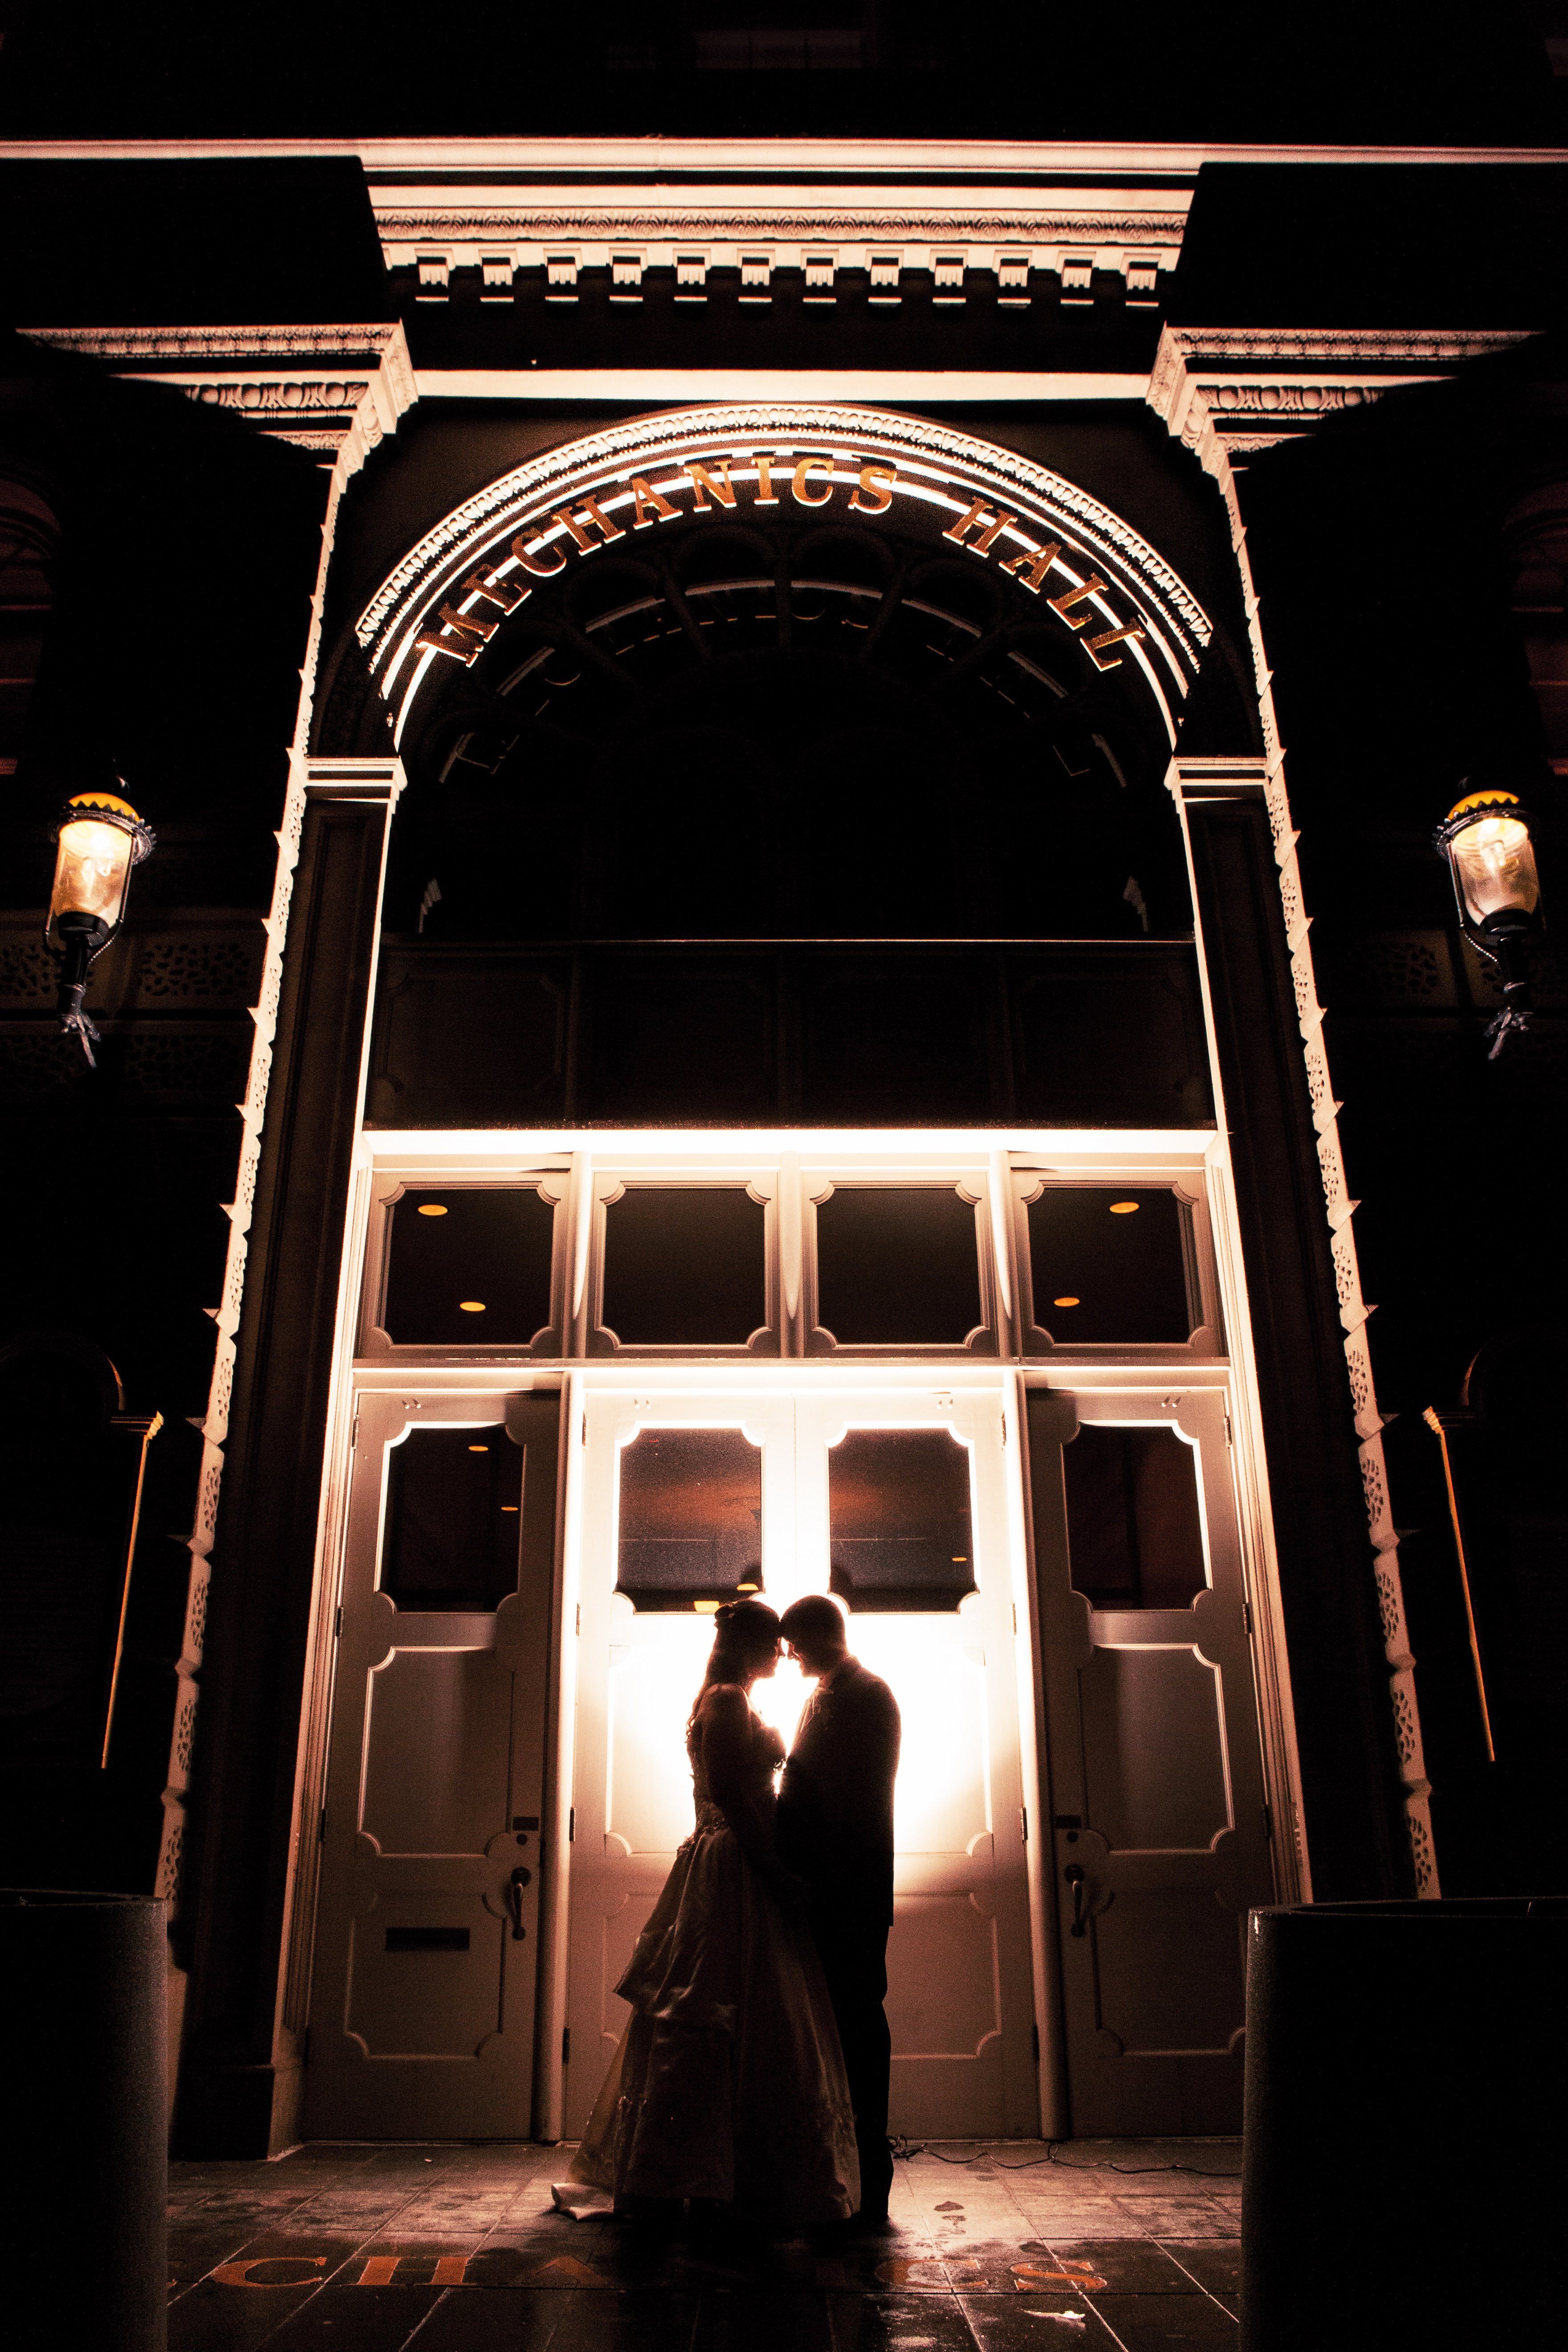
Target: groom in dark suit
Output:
{"points": [[835, 1829]]}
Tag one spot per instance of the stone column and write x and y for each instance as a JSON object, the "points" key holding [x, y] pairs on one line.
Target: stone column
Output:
{"points": [[242, 2059]]}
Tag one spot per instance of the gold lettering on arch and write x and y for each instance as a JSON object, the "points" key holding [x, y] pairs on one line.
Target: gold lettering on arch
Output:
{"points": [[879, 481], [980, 530], [539, 570], [589, 515], [1092, 645], [647, 502], [704, 480], [467, 640], [1030, 568], [797, 483]]}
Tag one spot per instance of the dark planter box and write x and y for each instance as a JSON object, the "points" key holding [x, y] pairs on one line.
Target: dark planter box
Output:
{"points": [[1404, 2103], [87, 2187]]}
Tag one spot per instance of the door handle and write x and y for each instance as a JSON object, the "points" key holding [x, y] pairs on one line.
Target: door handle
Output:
{"points": [[515, 1885], [1074, 1876]]}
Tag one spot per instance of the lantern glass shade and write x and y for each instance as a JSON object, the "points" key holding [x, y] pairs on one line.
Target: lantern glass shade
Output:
{"points": [[1494, 867], [96, 854]]}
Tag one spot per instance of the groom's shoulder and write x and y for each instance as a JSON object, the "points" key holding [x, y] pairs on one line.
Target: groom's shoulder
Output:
{"points": [[869, 1689]]}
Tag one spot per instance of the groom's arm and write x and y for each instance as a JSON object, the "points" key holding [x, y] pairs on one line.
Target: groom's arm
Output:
{"points": [[880, 1733]]}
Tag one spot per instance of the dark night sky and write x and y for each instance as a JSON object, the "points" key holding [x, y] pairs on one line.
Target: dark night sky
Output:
{"points": [[1445, 71]]}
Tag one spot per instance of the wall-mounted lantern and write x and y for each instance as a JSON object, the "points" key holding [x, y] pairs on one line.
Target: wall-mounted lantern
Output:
{"points": [[100, 838], [1485, 838]]}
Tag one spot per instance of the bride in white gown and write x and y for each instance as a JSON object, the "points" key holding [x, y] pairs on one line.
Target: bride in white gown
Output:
{"points": [[729, 2086]]}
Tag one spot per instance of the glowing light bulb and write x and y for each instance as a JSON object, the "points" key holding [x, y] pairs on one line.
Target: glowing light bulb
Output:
{"points": [[1124, 1207], [93, 864], [1067, 1302], [472, 1306], [431, 1209], [1496, 868]]}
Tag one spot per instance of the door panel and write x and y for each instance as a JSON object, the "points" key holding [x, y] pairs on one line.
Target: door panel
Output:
{"points": [[1153, 1745], [1159, 1830], [437, 1744], [423, 2003]]}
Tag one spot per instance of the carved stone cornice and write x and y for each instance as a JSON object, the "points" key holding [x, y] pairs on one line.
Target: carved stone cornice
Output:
{"points": [[221, 344], [1340, 346], [1086, 226], [311, 405], [1229, 391], [313, 411], [1009, 239]]}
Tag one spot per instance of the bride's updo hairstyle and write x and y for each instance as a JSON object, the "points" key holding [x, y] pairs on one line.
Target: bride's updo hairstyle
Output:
{"points": [[743, 1632]]}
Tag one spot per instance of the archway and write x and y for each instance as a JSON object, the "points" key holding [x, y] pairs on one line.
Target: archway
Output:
{"points": [[774, 673]]}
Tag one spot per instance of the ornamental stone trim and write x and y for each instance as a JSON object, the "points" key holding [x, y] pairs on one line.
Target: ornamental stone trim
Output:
{"points": [[173, 343], [1136, 244], [494, 223], [1226, 390], [364, 407], [1188, 397], [1353, 346], [285, 398], [648, 441]]}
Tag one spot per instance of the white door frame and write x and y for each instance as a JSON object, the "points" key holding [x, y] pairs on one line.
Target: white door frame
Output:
{"points": [[500, 1156]]}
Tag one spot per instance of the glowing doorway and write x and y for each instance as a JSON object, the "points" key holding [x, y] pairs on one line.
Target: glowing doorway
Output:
{"points": [[940, 1630]]}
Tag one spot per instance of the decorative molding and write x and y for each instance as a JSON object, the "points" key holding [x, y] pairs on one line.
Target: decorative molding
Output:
{"points": [[349, 415], [274, 408], [499, 239], [1184, 392], [862, 225], [564, 474], [1355, 347], [1241, 389], [324, 437], [379, 780], [284, 399], [218, 343], [214, 1423]]}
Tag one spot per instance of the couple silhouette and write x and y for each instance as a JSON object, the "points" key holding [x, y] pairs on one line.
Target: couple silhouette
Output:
{"points": [[752, 2077]]}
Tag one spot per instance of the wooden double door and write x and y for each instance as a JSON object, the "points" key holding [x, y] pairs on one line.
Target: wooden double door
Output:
{"points": [[1084, 1702], [843, 1480]]}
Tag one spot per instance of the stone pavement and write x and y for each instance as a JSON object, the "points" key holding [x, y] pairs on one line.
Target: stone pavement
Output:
{"points": [[1001, 2246]]}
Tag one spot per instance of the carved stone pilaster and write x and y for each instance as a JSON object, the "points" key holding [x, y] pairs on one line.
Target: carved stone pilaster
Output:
{"points": [[1225, 393]]}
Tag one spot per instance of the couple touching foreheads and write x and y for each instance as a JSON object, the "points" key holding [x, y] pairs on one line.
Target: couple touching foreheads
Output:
{"points": [[752, 2077]]}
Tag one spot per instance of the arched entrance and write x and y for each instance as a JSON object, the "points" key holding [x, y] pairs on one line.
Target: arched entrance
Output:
{"points": [[807, 679], [774, 673]]}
